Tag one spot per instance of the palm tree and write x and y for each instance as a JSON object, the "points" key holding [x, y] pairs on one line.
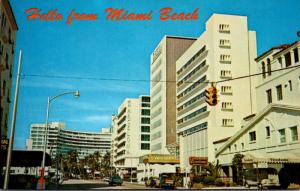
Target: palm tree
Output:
{"points": [[213, 169]]}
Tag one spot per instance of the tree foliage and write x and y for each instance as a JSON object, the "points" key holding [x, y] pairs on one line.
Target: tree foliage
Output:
{"points": [[238, 165]]}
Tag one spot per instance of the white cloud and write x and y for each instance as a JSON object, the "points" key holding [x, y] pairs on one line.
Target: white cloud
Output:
{"points": [[92, 119]]}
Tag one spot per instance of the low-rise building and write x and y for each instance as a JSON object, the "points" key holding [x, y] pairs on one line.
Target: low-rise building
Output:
{"points": [[270, 138]]}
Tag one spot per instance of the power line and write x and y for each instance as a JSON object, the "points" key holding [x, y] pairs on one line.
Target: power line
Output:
{"points": [[143, 80]]}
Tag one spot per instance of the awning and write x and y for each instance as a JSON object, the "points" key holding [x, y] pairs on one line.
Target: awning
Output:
{"points": [[25, 158], [278, 158]]}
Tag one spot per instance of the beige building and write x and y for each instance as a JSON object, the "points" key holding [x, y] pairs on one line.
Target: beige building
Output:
{"points": [[163, 91], [131, 135], [225, 50], [8, 29], [270, 138]]}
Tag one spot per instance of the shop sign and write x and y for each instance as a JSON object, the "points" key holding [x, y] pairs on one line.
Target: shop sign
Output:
{"points": [[263, 165], [198, 161]]}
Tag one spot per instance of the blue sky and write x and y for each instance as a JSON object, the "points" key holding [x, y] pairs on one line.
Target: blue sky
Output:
{"points": [[110, 49]]}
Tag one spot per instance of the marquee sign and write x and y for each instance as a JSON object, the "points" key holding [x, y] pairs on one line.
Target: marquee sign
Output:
{"points": [[160, 159]]}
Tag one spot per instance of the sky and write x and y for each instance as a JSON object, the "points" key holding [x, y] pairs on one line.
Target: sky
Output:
{"points": [[85, 52]]}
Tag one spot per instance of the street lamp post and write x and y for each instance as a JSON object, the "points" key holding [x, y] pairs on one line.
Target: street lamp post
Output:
{"points": [[42, 179]]}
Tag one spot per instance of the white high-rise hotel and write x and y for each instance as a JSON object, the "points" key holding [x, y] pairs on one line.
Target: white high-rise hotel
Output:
{"points": [[225, 50], [131, 135]]}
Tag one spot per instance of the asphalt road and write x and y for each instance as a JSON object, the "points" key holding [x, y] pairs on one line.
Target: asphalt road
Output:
{"points": [[74, 184]]}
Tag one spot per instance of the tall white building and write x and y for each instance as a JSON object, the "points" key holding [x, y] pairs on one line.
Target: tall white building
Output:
{"points": [[131, 135], [62, 141], [163, 91], [225, 50]]}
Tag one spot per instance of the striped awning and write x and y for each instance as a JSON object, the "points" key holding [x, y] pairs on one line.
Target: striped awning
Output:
{"points": [[272, 158]]}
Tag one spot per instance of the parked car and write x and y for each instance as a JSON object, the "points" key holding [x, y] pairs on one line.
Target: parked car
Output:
{"points": [[115, 180], [261, 177], [166, 180]]}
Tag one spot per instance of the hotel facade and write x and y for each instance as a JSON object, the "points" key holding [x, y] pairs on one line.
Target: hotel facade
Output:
{"points": [[225, 50], [131, 135], [61, 141], [163, 91]]}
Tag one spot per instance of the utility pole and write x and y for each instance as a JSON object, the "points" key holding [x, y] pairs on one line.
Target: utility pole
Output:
{"points": [[13, 124]]}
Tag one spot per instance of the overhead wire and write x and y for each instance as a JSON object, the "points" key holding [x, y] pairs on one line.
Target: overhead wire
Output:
{"points": [[144, 80]]}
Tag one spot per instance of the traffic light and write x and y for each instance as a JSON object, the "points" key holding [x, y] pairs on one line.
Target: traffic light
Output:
{"points": [[211, 96]]}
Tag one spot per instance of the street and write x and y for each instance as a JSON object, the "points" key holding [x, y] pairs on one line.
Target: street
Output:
{"points": [[74, 184]]}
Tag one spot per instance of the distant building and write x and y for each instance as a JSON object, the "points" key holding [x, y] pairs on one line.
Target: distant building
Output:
{"points": [[62, 141], [131, 135], [225, 50], [163, 93], [270, 138], [8, 30]]}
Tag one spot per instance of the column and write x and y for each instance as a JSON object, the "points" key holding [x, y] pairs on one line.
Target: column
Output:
{"points": [[292, 57], [148, 169], [144, 166], [230, 174]]}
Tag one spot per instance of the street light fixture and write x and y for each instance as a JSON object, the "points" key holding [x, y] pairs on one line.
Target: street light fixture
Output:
{"points": [[76, 95]]}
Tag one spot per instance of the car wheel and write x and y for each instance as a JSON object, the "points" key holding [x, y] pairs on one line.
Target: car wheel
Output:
{"points": [[260, 186]]}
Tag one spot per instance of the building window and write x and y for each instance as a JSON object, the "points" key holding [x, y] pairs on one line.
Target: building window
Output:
{"points": [[287, 58], [145, 120], [145, 146], [243, 146], [280, 61], [224, 28], [290, 84], [294, 133], [145, 99], [227, 106], [224, 43], [145, 137], [229, 148], [263, 69], [252, 136], [146, 129], [268, 131], [269, 96], [235, 147], [145, 104], [282, 135], [279, 92], [227, 123], [226, 90], [296, 55], [269, 67], [146, 112]]}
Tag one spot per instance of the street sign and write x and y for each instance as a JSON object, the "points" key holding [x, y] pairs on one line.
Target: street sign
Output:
{"points": [[198, 161]]}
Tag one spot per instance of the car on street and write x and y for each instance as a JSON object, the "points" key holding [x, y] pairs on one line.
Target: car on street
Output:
{"points": [[261, 177], [115, 180]]}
